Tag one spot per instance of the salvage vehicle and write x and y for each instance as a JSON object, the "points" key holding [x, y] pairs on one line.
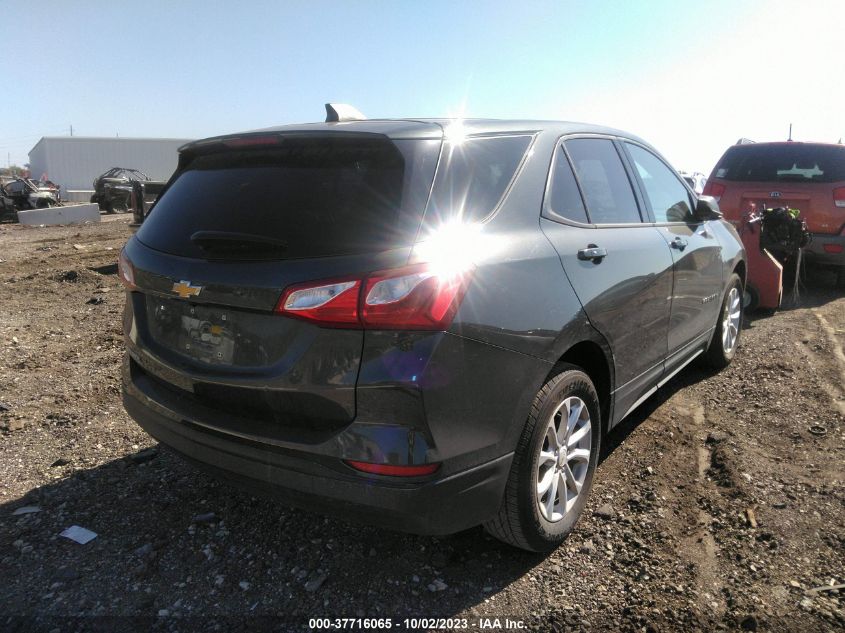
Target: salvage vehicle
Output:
{"points": [[807, 177], [143, 198], [8, 211], [28, 194], [113, 189], [432, 324], [49, 185]]}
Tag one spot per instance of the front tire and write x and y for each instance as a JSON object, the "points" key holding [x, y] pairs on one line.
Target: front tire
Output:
{"points": [[553, 465], [728, 328]]}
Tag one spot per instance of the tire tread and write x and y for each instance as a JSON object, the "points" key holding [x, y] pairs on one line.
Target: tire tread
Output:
{"points": [[506, 525]]}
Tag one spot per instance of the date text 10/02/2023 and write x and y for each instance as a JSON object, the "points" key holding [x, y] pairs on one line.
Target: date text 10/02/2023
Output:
{"points": [[415, 624]]}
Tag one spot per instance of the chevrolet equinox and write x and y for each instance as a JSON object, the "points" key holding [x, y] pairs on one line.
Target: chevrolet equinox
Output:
{"points": [[422, 324]]}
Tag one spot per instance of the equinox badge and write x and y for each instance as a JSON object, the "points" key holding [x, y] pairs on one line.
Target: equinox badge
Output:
{"points": [[184, 289]]}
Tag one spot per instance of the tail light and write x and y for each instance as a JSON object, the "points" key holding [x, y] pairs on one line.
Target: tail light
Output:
{"points": [[839, 197], [413, 298], [126, 271], [833, 249], [251, 141], [416, 297], [331, 303], [714, 189], [395, 471]]}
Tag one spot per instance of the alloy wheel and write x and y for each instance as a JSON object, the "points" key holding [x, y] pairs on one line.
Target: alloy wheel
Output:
{"points": [[564, 459], [730, 320]]}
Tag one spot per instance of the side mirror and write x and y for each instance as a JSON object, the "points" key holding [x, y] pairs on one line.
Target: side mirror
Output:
{"points": [[707, 209]]}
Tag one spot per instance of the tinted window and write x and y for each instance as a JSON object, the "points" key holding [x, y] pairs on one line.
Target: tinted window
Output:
{"points": [[308, 197], [473, 176], [782, 162], [564, 197], [669, 199], [604, 182]]}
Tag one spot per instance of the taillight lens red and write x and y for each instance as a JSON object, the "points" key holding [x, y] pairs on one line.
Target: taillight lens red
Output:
{"points": [[394, 471], [714, 189], [839, 197], [331, 303], [126, 271], [416, 297], [413, 298]]}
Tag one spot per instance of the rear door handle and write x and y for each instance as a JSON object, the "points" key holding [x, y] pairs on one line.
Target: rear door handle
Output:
{"points": [[679, 243], [592, 252]]}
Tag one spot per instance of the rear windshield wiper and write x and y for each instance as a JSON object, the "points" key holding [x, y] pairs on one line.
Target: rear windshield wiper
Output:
{"points": [[237, 242]]}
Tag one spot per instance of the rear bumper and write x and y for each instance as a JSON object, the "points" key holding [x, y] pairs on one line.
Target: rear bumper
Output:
{"points": [[433, 506], [419, 398], [817, 250]]}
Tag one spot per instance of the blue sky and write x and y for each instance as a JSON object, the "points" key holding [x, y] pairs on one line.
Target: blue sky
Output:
{"points": [[689, 77]]}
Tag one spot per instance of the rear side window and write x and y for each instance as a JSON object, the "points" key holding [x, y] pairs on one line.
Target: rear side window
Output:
{"points": [[473, 176], [783, 162], [669, 199], [607, 190], [564, 198], [307, 197]]}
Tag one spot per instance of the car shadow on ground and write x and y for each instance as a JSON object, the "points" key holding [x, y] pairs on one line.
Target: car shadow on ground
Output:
{"points": [[173, 539], [159, 547], [695, 372]]}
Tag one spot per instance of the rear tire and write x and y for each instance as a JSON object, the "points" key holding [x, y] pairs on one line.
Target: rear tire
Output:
{"points": [[750, 299], [840, 278], [527, 519], [725, 340]]}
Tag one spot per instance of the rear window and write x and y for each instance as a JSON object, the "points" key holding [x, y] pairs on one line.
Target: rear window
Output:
{"points": [[307, 197], [797, 162], [473, 177]]}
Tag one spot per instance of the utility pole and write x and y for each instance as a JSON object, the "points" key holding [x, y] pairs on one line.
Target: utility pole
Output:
{"points": [[790, 132], [71, 129]]}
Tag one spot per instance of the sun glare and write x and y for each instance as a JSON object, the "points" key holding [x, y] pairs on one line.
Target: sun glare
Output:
{"points": [[455, 133], [456, 247]]}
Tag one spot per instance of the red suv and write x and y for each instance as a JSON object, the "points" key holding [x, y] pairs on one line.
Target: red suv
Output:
{"points": [[809, 177]]}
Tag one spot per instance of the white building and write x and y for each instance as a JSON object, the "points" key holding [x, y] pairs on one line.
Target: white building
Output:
{"points": [[74, 161]]}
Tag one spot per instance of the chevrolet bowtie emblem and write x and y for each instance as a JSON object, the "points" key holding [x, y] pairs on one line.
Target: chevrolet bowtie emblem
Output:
{"points": [[184, 289]]}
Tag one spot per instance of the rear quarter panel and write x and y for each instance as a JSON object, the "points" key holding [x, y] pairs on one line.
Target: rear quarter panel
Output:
{"points": [[520, 302], [733, 252]]}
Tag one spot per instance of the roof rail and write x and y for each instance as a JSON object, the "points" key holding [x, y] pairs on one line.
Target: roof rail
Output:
{"points": [[744, 141], [336, 112]]}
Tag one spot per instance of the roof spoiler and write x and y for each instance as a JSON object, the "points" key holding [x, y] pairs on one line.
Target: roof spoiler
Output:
{"points": [[336, 112], [745, 141]]}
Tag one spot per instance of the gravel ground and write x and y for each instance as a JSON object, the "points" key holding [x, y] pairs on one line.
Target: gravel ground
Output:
{"points": [[718, 505]]}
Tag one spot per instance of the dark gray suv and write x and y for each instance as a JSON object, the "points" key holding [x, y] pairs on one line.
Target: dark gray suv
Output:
{"points": [[423, 324]]}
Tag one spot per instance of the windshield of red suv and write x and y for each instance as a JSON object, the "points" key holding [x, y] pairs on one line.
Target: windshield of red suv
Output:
{"points": [[783, 162]]}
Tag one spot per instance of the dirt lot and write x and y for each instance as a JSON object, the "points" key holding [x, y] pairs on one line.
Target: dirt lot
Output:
{"points": [[718, 505]]}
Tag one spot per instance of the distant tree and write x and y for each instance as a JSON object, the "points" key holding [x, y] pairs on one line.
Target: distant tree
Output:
{"points": [[11, 170]]}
